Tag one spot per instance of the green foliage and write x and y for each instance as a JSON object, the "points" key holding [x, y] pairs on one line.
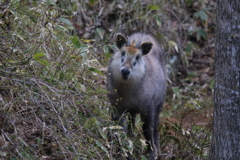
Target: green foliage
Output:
{"points": [[153, 7], [75, 41], [38, 57], [190, 2], [200, 14], [200, 34], [96, 71]]}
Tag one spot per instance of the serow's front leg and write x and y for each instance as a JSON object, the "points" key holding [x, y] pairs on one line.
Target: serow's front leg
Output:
{"points": [[150, 131]]}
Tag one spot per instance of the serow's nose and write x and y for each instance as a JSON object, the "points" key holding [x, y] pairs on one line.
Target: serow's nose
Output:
{"points": [[125, 73]]}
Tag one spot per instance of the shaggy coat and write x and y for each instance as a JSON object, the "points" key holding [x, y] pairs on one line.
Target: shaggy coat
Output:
{"points": [[136, 81]]}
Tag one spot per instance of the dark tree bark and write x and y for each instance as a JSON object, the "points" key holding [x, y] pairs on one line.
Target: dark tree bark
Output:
{"points": [[226, 126]]}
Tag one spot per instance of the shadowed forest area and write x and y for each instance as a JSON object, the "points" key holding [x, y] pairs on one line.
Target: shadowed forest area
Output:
{"points": [[53, 60]]}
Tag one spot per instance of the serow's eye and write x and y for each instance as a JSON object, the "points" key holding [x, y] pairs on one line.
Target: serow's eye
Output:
{"points": [[137, 58], [123, 53]]}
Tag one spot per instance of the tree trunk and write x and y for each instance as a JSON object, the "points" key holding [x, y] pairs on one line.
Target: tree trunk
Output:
{"points": [[226, 126]]}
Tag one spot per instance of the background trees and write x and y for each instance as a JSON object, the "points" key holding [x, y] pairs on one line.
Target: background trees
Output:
{"points": [[226, 128]]}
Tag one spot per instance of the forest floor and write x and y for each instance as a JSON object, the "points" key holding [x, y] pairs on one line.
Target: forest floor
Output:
{"points": [[53, 60]]}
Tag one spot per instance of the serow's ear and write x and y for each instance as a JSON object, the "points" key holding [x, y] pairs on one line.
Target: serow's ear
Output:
{"points": [[120, 40], [146, 47]]}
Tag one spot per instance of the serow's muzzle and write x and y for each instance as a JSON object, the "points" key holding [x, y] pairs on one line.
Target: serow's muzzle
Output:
{"points": [[125, 73]]}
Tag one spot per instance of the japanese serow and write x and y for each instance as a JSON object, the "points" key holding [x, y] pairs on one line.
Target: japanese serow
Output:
{"points": [[136, 81]]}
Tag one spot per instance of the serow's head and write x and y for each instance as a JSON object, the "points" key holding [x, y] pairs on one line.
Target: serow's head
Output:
{"points": [[132, 64]]}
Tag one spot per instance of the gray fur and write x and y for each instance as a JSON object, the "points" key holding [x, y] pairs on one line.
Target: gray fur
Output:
{"points": [[143, 92]]}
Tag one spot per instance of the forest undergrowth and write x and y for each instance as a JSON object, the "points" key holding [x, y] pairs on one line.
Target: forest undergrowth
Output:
{"points": [[53, 60]]}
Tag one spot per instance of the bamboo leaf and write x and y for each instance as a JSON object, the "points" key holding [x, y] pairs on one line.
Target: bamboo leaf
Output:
{"points": [[201, 14], [75, 41], [153, 7], [96, 71]]}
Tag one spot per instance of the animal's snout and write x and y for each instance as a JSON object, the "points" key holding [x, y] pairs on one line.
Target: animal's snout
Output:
{"points": [[125, 73]]}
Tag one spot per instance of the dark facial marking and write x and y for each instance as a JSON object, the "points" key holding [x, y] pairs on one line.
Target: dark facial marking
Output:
{"points": [[123, 53], [137, 57], [122, 56]]}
